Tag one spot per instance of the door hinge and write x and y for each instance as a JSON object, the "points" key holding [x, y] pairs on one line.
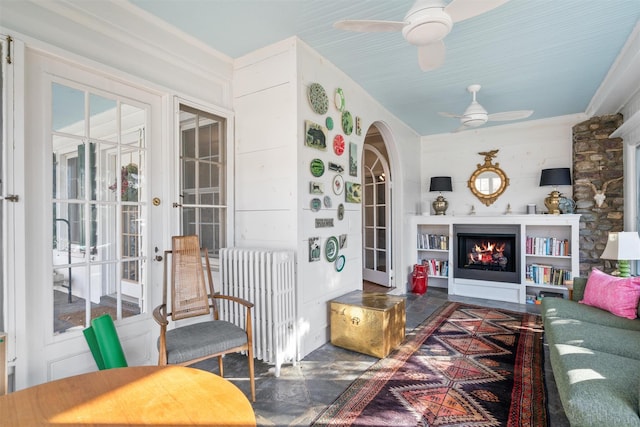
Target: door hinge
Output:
{"points": [[8, 58], [10, 198]]}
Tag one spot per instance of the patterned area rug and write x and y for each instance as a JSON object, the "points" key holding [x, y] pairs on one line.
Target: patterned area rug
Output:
{"points": [[464, 366]]}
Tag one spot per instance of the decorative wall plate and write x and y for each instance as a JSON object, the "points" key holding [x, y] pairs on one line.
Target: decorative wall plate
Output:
{"points": [[331, 249], [340, 262], [318, 98], [327, 201], [338, 99], [347, 122], [340, 212], [316, 167], [329, 123], [338, 144], [315, 204], [338, 184]]}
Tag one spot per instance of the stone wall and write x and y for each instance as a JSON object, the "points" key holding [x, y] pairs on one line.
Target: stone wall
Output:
{"points": [[597, 170]]}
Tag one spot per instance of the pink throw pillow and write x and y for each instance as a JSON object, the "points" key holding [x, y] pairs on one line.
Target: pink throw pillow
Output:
{"points": [[618, 295]]}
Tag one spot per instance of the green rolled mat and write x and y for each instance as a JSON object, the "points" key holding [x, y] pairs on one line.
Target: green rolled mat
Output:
{"points": [[109, 346], [90, 336]]}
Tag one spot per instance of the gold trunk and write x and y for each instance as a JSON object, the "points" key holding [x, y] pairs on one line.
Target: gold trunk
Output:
{"points": [[369, 323]]}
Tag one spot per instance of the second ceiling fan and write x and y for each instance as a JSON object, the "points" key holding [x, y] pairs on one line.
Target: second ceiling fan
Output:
{"points": [[475, 115], [425, 25]]}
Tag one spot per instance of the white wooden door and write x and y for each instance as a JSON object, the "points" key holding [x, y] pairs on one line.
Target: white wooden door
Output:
{"points": [[376, 218], [93, 166]]}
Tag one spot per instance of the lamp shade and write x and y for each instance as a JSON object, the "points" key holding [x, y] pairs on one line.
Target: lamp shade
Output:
{"points": [[556, 176], [440, 183], [624, 245]]}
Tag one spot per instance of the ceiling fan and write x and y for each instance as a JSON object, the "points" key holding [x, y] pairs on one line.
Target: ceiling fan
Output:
{"points": [[425, 25], [475, 115]]}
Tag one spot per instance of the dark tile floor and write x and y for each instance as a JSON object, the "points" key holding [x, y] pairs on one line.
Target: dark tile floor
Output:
{"points": [[301, 392]]}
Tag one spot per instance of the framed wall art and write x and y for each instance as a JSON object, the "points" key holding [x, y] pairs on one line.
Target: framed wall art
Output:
{"points": [[353, 159], [315, 135], [353, 192], [314, 249]]}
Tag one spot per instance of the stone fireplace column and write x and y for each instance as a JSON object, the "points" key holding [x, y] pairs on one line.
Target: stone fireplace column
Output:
{"points": [[598, 187]]}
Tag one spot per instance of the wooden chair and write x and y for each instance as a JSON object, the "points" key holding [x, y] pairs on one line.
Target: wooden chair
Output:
{"points": [[192, 297]]}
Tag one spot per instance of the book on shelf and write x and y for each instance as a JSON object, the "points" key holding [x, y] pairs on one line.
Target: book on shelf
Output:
{"points": [[552, 246], [542, 274], [433, 241], [436, 267]]}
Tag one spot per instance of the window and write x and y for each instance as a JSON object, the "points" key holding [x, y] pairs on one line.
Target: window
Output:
{"points": [[203, 177]]}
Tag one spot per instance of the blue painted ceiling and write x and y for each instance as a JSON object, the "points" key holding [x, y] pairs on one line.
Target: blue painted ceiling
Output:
{"points": [[549, 56]]}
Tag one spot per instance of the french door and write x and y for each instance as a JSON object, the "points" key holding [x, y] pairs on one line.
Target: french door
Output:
{"points": [[94, 163], [376, 217]]}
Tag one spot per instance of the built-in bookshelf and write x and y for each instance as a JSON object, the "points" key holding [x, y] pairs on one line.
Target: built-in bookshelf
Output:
{"points": [[548, 251], [432, 244]]}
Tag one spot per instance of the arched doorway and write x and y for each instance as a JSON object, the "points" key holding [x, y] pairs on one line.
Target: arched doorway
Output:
{"points": [[376, 211]]}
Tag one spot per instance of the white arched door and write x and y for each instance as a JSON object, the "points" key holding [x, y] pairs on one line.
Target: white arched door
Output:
{"points": [[376, 217]]}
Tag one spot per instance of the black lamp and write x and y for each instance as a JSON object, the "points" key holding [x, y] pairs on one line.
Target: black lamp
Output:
{"points": [[554, 177], [440, 184]]}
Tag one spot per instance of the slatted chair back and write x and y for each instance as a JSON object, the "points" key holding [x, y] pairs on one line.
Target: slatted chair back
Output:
{"points": [[190, 292]]}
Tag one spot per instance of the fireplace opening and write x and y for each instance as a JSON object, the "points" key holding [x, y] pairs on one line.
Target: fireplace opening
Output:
{"points": [[487, 253]]}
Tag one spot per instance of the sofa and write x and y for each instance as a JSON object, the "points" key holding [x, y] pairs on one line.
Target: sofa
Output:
{"points": [[595, 356]]}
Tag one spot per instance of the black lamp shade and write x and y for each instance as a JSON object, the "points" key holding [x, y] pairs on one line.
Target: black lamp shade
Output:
{"points": [[557, 176], [440, 183]]}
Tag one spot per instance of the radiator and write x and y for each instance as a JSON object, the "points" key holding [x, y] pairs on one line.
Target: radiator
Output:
{"points": [[266, 278]]}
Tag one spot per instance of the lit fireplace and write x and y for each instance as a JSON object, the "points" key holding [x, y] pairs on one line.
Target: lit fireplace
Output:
{"points": [[488, 255], [487, 252]]}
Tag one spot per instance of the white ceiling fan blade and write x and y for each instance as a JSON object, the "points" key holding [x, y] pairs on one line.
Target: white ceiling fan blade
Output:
{"points": [[366, 26], [451, 115], [460, 129], [431, 56], [459, 10], [510, 115]]}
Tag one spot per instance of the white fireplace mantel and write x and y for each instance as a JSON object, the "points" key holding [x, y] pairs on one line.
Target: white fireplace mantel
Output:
{"points": [[544, 227]]}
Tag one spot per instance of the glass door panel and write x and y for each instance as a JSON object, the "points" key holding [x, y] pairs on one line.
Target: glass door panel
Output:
{"points": [[98, 153]]}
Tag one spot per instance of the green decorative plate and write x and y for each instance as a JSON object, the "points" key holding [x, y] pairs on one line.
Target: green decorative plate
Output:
{"points": [[340, 262], [338, 99], [331, 249], [347, 122], [317, 167], [318, 98], [329, 123]]}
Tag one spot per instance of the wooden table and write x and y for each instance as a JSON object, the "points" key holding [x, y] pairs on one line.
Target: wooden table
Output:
{"points": [[134, 396]]}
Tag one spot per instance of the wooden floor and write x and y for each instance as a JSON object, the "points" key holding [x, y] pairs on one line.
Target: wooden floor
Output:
{"points": [[373, 287]]}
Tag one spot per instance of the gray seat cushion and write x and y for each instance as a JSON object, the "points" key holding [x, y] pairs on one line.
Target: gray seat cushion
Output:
{"points": [[202, 339], [625, 343], [597, 389], [559, 307]]}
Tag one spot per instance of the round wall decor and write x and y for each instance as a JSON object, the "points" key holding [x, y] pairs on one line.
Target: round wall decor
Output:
{"points": [[338, 99], [338, 144], [318, 98], [329, 123], [338, 185], [347, 122], [340, 212], [316, 167], [331, 249], [340, 262]]}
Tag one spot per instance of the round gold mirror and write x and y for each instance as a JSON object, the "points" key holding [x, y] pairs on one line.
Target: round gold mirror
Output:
{"points": [[488, 181]]}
